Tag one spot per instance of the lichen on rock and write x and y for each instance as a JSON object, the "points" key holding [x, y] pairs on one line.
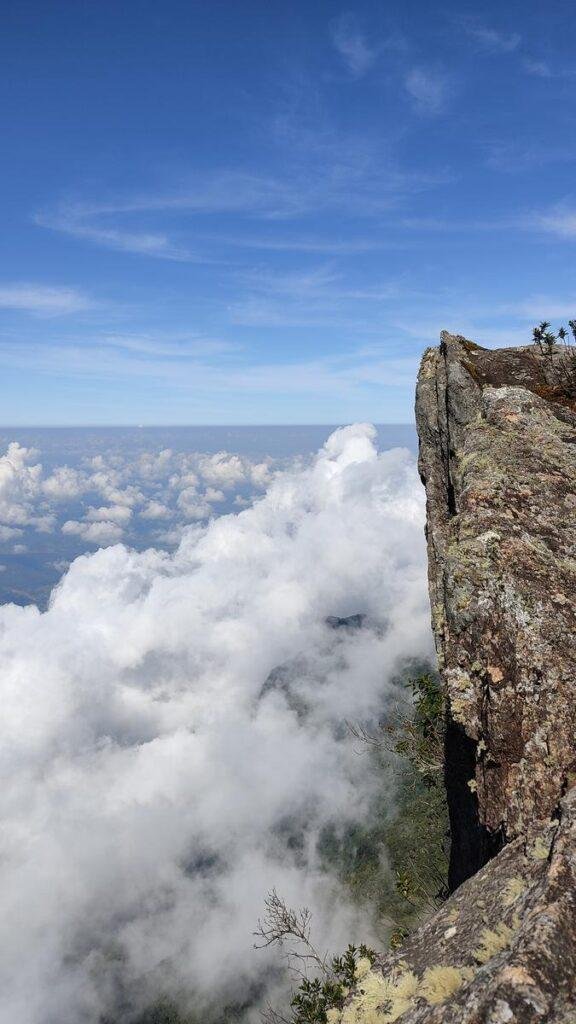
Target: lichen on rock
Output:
{"points": [[498, 459]]}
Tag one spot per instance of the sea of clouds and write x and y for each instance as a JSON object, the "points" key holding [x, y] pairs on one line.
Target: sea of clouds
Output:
{"points": [[156, 768], [111, 491]]}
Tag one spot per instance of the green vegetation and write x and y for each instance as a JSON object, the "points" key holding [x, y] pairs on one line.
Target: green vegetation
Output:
{"points": [[546, 339], [310, 1004], [165, 1012], [397, 866], [558, 368], [417, 837]]}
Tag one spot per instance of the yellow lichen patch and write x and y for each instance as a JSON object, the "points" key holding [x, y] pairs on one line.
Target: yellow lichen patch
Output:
{"points": [[539, 849], [439, 983], [379, 1000], [472, 785], [462, 682], [513, 890], [493, 941], [458, 706], [363, 967], [382, 1000]]}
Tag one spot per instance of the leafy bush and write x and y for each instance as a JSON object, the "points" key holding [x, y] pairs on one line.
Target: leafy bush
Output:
{"points": [[314, 998]]}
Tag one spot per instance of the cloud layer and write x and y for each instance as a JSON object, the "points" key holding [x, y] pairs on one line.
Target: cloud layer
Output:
{"points": [[113, 496], [160, 777]]}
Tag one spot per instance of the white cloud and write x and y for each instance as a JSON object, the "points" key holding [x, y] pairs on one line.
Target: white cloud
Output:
{"points": [[120, 514], [156, 510], [193, 505], [213, 495], [61, 565], [352, 46], [111, 485], [223, 469], [99, 533], [160, 777], [19, 484], [8, 532], [42, 300], [428, 90], [64, 484], [44, 523], [158, 485]]}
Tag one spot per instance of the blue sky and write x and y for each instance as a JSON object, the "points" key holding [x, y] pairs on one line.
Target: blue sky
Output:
{"points": [[225, 212]]}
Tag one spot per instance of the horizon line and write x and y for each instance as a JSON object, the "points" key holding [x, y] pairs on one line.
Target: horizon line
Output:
{"points": [[157, 426]]}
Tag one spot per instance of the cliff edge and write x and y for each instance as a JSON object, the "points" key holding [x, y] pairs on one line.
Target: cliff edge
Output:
{"points": [[497, 433], [498, 458]]}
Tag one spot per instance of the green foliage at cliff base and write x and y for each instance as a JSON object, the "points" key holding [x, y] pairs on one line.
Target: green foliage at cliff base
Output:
{"points": [[397, 864]]}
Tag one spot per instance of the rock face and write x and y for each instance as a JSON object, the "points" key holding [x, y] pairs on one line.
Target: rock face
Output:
{"points": [[498, 458]]}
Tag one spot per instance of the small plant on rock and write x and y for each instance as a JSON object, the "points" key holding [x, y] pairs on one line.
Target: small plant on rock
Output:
{"points": [[334, 976], [558, 369]]}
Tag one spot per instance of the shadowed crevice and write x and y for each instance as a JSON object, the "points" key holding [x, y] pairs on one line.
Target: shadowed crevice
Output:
{"points": [[472, 844]]}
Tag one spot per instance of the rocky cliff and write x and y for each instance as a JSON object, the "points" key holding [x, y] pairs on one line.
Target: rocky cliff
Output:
{"points": [[498, 457]]}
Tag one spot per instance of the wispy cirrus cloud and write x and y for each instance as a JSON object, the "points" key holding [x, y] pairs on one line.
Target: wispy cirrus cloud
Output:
{"points": [[328, 245], [428, 90], [488, 38], [82, 222], [354, 179], [559, 220], [351, 45], [168, 344], [541, 306], [195, 375], [521, 154], [318, 296], [545, 69], [43, 300], [312, 169]]}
